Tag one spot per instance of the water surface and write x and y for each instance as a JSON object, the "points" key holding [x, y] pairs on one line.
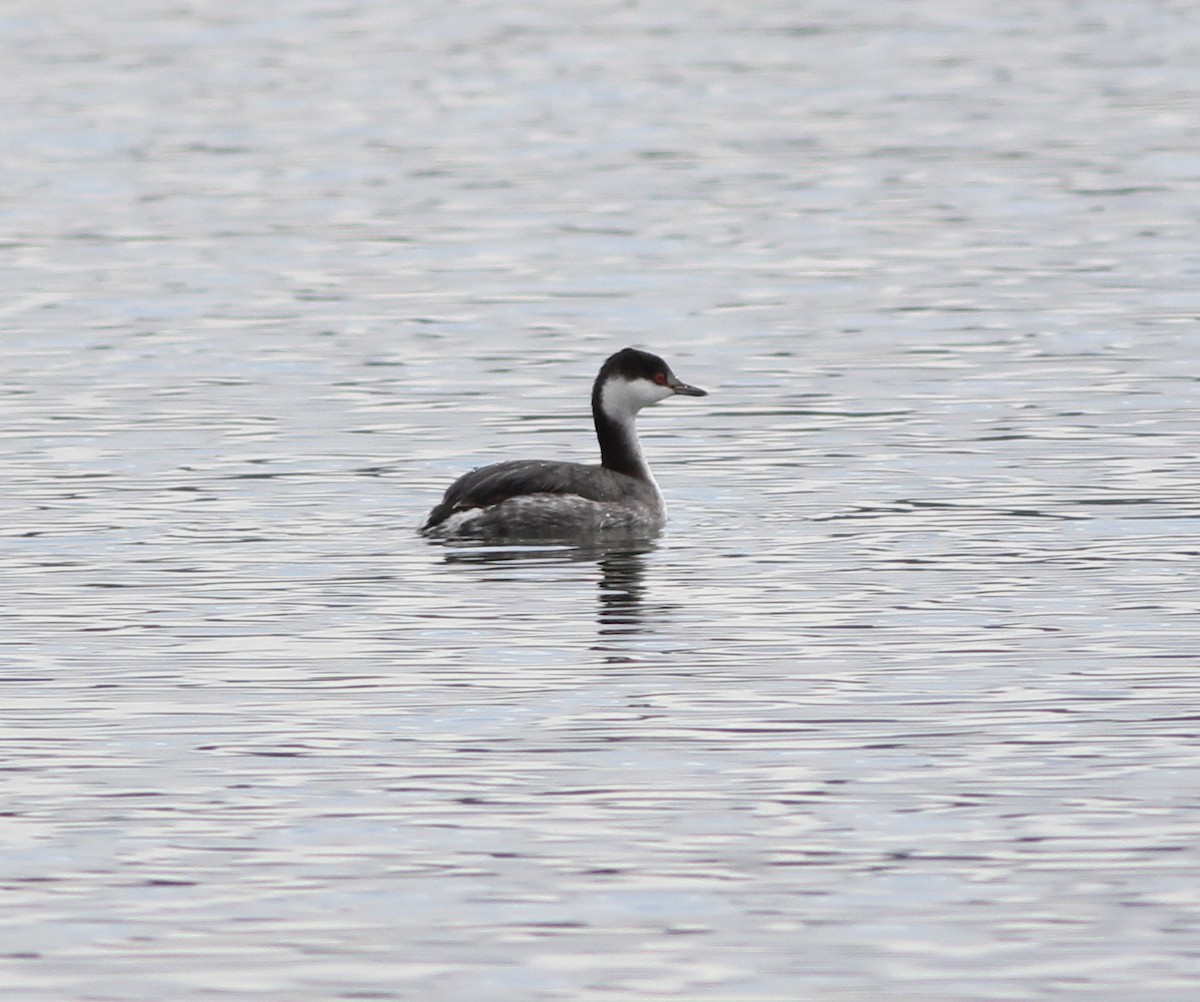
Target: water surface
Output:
{"points": [[902, 705]]}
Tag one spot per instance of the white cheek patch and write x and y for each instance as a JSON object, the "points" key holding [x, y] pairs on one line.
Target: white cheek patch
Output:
{"points": [[622, 398]]}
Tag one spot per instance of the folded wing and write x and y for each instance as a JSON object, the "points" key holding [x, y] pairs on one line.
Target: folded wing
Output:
{"points": [[490, 485]]}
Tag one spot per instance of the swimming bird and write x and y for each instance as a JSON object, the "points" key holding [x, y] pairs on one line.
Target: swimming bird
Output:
{"points": [[546, 499]]}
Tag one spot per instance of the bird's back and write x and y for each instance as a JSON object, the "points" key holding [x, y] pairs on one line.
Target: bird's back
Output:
{"points": [[557, 489]]}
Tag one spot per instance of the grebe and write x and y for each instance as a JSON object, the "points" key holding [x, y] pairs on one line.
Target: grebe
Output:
{"points": [[541, 499]]}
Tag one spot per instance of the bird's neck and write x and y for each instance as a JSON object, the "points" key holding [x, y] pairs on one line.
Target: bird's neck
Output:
{"points": [[620, 449]]}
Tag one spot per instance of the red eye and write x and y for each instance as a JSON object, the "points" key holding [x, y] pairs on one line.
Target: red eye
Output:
{"points": [[661, 378]]}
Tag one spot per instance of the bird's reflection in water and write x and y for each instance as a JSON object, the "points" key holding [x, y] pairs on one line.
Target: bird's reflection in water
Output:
{"points": [[621, 584]]}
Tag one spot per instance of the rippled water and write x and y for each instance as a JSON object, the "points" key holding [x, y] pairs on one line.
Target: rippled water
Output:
{"points": [[902, 705]]}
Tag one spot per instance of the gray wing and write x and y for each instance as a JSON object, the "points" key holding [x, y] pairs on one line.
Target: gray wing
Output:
{"points": [[490, 485]]}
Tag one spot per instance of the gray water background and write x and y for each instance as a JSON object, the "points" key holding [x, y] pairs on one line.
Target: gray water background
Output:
{"points": [[903, 704]]}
